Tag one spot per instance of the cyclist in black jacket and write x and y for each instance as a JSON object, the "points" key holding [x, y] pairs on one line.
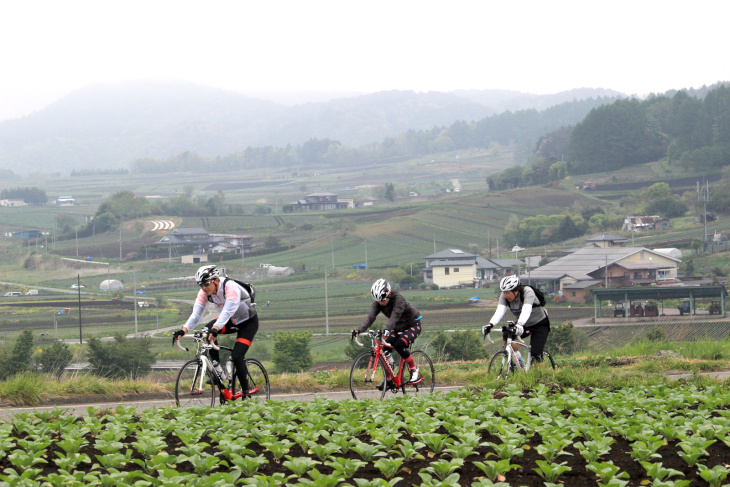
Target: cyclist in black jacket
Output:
{"points": [[404, 322]]}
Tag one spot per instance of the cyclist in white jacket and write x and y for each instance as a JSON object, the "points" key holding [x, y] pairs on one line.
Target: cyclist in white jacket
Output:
{"points": [[237, 315], [532, 320]]}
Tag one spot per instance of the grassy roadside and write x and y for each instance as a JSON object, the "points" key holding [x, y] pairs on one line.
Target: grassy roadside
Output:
{"points": [[634, 364]]}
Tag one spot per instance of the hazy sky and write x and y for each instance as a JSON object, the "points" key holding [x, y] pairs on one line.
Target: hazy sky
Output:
{"points": [[51, 47]]}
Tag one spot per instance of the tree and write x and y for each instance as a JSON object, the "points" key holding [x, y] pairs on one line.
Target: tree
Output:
{"points": [[389, 192], [659, 191], [272, 242], [667, 207], [261, 210], [20, 357], [291, 351]]}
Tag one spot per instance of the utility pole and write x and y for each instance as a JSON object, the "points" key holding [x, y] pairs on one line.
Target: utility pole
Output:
{"points": [[326, 305], [366, 252], [135, 305], [78, 285], [703, 195], [120, 241], [332, 249]]}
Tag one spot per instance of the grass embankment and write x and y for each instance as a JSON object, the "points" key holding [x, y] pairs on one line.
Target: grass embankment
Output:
{"points": [[631, 365]]}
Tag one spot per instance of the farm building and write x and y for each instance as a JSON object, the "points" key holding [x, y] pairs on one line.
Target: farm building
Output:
{"points": [[641, 223], [111, 285]]}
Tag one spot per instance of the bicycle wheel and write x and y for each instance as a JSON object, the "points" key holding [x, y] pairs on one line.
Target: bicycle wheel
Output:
{"points": [[366, 374], [188, 391], [425, 368], [258, 380], [547, 359], [500, 365]]}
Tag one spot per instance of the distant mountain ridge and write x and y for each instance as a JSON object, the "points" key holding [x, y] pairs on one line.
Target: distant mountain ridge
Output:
{"points": [[110, 126]]}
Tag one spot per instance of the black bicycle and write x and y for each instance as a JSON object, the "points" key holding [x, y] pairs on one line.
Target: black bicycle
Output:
{"points": [[198, 380]]}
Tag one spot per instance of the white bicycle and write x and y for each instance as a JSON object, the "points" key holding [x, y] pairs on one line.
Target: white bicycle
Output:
{"points": [[507, 361], [197, 381]]}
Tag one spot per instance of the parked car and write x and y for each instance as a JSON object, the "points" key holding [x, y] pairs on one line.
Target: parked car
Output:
{"points": [[13, 293], [31, 292], [683, 308], [77, 286], [141, 292], [619, 310]]}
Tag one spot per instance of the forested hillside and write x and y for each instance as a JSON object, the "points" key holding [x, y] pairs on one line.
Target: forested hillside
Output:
{"points": [[523, 128], [108, 127], [690, 130]]}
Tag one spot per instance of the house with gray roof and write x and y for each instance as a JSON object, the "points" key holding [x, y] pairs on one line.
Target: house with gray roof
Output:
{"points": [[622, 266], [607, 240], [318, 202], [188, 236]]}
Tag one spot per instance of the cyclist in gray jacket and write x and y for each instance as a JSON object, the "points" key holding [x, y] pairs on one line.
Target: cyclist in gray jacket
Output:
{"points": [[532, 319]]}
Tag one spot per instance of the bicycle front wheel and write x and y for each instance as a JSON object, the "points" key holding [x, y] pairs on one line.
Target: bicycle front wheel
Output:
{"points": [[547, 360], [189, 390], [258, 381], [367, 377], [425, 368], [499, 366]]}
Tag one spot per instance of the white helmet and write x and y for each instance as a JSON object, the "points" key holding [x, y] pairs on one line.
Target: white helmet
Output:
{"points": [[380, 290], [509, 283], [206, 273]]}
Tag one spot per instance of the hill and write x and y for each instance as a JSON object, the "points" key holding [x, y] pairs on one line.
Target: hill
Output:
{"points": [[110, 126]]}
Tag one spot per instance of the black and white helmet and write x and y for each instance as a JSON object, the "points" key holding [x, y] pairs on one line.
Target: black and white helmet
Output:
{"points": [[380, 290], [509, 283], [206, 273]]}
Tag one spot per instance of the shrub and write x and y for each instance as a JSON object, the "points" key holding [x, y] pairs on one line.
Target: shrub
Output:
{"points": [[291, 351], [352, 350], [460, 345], [656, 335], [53, 359], [561, 339], [121, 358]]}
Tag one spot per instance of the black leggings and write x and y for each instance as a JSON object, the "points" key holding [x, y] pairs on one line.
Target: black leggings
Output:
{"points": [[403, 339], [246, 331], [539, 333]]}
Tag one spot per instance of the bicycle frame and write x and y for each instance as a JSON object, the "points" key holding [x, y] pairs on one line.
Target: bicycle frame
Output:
{"points": [[376, 338], [510, 338], [201, 351]]}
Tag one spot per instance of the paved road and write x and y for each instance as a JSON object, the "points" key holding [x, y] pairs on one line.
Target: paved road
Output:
{"points": [[7, 412]]}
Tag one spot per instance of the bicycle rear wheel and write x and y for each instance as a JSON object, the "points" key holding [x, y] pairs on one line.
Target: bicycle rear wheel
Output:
{"points": [[366, 374], [188, 391], [425, 368], [499, 366], [258, 381]]}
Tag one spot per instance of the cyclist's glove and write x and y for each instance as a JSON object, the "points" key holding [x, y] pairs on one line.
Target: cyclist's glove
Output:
{"points": [[354, 333], [486, 329], [386, 334], [519, 330], [214, 331], [176, 336]]}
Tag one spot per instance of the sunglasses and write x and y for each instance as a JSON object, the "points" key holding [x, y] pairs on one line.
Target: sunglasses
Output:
{"points": [[206, 283]]}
